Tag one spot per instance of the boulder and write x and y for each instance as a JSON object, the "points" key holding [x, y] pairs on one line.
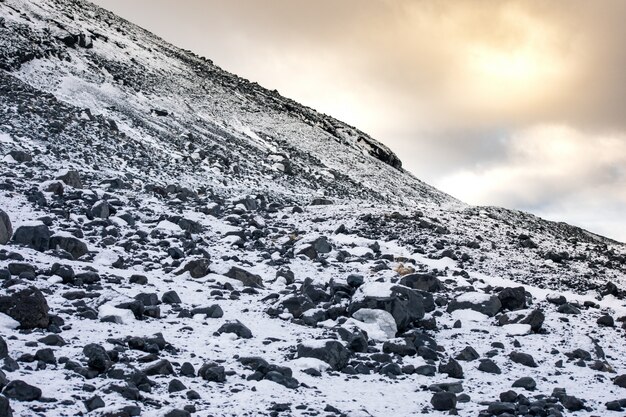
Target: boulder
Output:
{"points": [[28, 307], [423, 282], [197, 268], [247, 278], [71, 178], [332, 352], [35, 235], [70, 244], [486, 304], [443, 401], [21, 391], [6, 230], [404, 304], [236, 327], [513, 298]]}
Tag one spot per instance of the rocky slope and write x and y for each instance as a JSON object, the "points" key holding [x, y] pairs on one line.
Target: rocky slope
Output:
{"points": [[175, 240]]}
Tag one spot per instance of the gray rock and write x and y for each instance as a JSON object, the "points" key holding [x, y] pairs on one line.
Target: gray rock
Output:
{"points": [[523, 359], [34, 236], [423, 282], [71, 178], [21, 391], [248, 279], [489, 307], [70, 244], [6, 229], [332, 352], [443, 401], [236, 327]]}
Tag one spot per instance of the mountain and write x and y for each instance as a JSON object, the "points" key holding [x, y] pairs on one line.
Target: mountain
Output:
{"points": [[176, 240]]}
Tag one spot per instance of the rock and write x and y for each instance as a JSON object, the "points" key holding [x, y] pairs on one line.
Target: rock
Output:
{"points": [[572, 403], [71, 178], [177, 412], [5, 407], [467, 354], [160, 367], [483, 303], [36, 236], [94, 403], [176, 385], [212, 372], [523, 359], [170, 297], [97, 357], [4, 350], [568, 308], [21, 391], [489, 366], [606, 321], [443, 401], [28, 307], [101, 210], [237, 328], [499, 408], [70, 244], [355, 280], [248, 279], [423, 282], [331, 351], [513, 298], [452, 368], [620, 381], [535, 319], [526, 382], [6, 229], [52, 340], [404, 304], [197, 268], [20, 156]]}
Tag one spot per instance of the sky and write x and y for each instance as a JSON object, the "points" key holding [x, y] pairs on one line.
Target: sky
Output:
{"points": [[513, 103]]}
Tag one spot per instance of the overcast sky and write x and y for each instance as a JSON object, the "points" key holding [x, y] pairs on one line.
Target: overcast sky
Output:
{"points": [[514, 103]]}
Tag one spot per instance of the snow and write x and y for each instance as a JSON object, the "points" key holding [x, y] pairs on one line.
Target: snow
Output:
{"points": [[379, 324], [473, 298]]}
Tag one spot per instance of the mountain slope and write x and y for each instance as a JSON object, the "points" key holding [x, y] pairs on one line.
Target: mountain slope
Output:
{"points": [[150, 192]]}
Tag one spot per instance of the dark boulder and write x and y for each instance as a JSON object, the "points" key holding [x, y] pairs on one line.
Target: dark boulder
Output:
{"points": [[36, 236], [70, 244], [236, 327], [6, 229], [423, 282], [248, 279], [513, 298], [443, 401], [21, 391], [28, 307], [404, 304], [332, 352], [71, 178], [212, 372], [483, 303], [197, 268], [523, 359]]}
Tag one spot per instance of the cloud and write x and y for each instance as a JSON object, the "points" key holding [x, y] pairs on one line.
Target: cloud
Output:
{"points": [[555, 171]]}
